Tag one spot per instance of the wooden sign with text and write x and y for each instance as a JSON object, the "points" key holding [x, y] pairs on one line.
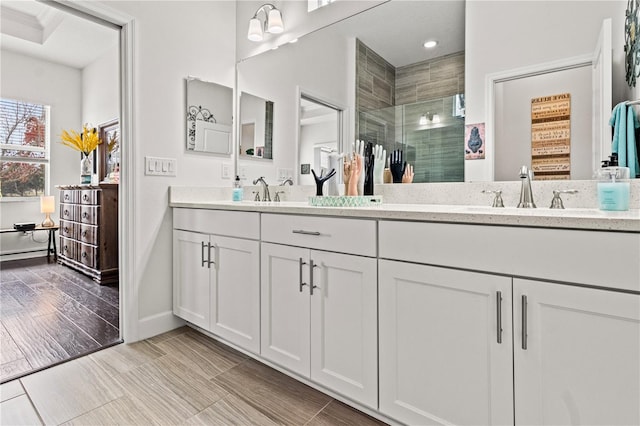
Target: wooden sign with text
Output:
{"points": [[551, 137]]}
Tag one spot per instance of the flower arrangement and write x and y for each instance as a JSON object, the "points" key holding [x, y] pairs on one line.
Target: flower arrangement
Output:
{"points": [[84, 142]]}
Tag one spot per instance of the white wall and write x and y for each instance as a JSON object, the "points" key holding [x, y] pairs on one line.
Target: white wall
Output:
{"points": [[101, 87], [28, 79], [173, 39], [297, 21], [505, 35]]}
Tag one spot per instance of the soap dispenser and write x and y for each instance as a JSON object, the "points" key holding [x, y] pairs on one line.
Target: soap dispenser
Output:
{"points": [[238, 192], [613, 185]]}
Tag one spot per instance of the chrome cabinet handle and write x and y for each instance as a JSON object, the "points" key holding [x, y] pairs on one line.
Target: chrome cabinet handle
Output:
{"points": [[311, 284], [499, 310], [300, 231], [301, 264], [524, 322], [202, 253]]}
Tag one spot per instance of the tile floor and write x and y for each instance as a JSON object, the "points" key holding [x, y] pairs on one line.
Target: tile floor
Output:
{"points": [[50, 313], [180, 377]]}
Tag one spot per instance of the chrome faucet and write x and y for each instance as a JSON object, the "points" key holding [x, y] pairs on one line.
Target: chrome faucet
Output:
{"points": [[265, 188], [526, 195], [287, 181]]}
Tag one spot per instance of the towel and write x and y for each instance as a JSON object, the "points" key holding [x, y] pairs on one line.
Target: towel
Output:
{"points": [[625, 122]]}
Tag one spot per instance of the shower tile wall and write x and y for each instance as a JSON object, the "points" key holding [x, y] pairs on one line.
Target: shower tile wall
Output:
{"points": [[436, 78], [436, 153]]}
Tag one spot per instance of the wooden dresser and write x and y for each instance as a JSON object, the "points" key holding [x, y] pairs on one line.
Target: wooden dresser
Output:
{"points": [[89, 230]]}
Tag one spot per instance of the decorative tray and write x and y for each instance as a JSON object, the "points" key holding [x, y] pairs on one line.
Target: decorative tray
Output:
{"points": [[345, 201]]}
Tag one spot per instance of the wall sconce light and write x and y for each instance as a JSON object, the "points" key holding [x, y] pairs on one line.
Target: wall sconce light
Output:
{"points": [[435, 118], [272, 23], [423, 120], [47, 206]]}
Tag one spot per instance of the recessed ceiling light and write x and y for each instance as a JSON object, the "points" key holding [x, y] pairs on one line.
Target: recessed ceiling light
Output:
{"points": [[430, 44]]}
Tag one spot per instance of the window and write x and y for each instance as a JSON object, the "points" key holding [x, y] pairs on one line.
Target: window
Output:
{"points": [[24, 143]]}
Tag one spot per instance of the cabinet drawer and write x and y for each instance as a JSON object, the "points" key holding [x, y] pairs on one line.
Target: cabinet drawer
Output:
{"points": [[68, 211], [68, 248], [89, 214], [228, 223], [88, 255], [608, 259], [355, 236], [68, 196], [67, 229], [89, 234], [89, 196]]}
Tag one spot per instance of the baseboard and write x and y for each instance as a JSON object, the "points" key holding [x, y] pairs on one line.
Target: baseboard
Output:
{"points": [[157, 324]]}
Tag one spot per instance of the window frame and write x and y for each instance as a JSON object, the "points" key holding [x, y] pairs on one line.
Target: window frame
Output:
{"points": [[46, 150]]}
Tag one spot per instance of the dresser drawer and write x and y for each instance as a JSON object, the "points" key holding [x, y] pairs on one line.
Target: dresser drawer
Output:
{"points": [[67, 229], [90, 214], [88, 255], [89, 196], [68, 196], [69, 211], [68, 248], [227, 223], [89, 234], [355, 236]]}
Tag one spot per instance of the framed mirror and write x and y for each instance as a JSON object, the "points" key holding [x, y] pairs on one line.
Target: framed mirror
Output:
{"points": [[256, 127], [209, 117]]}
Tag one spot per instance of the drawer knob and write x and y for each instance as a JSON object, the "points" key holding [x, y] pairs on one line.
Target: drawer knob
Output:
{"points": [[84, 254], [85, 215], [84, 233]]}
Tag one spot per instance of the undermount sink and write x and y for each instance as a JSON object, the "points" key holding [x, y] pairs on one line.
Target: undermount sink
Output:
{"points": [[531, 211]]}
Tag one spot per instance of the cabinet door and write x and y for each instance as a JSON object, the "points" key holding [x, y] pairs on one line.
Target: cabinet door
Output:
{"points": [[285, 306], [344, 337], [191, 277], [235, 291], [440, 358], [581, 364]]}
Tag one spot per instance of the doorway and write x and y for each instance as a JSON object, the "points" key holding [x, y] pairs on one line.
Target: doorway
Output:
{"points": [[62, 295]]}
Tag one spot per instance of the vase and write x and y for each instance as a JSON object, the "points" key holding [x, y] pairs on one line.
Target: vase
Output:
{"points": [[86, 168]]}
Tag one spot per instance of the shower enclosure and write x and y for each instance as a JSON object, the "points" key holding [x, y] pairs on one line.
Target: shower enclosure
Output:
{"points": [[430, 134]]}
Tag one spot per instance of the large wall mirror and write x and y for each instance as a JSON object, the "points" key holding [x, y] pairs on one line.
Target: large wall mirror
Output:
{"points": [[209, 117], [349, 63]]}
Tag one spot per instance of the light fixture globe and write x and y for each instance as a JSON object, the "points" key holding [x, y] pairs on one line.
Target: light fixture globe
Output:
{"points": [[255, 30], [274, 22], [436, 118], [423, 120]]}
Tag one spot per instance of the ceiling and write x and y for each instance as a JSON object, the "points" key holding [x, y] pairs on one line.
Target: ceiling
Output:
{"points": [[38, 30], [397, 30]]}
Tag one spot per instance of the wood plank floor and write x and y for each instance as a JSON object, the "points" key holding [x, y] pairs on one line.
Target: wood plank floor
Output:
{"points": [[50, 313], [180, 377]]}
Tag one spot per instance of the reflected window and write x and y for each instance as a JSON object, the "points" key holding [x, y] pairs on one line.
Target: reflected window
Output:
{"points": [[316, 4]]}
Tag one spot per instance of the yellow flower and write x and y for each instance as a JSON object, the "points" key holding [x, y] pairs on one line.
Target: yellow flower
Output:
{"points": [[85, 142]]}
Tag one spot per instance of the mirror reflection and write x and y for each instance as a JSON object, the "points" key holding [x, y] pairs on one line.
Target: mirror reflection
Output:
{"points": [[372, 65], [209, 117], [320, 136], [256, 127]]}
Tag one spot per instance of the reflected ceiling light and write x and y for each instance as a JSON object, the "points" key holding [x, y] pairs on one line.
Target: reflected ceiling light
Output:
{"points": [[423, 120], [435, 118], [272, 22], [430, 44], [295, 40]]}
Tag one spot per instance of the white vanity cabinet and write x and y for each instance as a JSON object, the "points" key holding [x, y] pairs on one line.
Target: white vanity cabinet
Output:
{"points": [[579, 363], [580, 360], [319, 307], [216, 273], [445, 345]]}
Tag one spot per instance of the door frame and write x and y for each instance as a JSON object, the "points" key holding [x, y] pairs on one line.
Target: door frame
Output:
{"points": [[105, 15]]}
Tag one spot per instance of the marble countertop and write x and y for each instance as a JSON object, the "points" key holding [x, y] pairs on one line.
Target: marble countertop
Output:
{"points": [[570, 218]]}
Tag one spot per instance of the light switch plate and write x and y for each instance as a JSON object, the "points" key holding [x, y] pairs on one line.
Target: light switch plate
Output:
{"points": [[154, 166], [226, 171]]}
